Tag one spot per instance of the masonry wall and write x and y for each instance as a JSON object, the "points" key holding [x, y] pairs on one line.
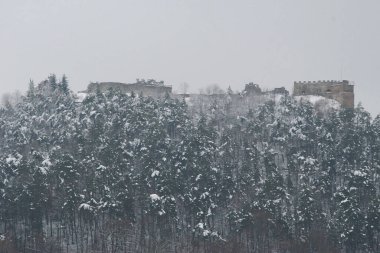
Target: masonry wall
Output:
{"points": [[341, 91], [155, 91]]}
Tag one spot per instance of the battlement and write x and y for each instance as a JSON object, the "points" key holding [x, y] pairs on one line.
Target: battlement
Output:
{"points": [[341, 91], [332, 82]]}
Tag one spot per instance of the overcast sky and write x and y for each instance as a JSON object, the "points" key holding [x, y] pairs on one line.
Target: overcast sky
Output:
{"points": [[200, 42]]}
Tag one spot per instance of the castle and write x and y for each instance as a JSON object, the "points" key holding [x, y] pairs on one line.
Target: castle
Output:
{"points": [[251, 96], [341, 91]]}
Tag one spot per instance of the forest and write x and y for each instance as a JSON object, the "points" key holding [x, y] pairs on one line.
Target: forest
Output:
{"points": [[126, 173]]}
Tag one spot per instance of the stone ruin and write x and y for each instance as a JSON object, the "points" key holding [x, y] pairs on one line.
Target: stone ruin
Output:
{"points": [[250, 97], [149, 88]]}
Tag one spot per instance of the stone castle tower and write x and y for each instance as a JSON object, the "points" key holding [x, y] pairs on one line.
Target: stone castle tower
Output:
{"points": [[341, 91]]}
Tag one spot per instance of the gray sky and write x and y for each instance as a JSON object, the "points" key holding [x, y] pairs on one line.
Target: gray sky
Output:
{"points": [[201, 42]]}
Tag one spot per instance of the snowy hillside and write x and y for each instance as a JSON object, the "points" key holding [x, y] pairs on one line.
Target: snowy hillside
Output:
{"points": [[118, 173], [320, 102]]}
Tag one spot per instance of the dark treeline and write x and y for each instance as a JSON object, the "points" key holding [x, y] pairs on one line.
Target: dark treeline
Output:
{"points": [[120, 173]]}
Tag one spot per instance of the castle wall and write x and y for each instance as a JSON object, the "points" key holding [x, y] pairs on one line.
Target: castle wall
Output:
{"points": [[155, 91], [341, 91]]}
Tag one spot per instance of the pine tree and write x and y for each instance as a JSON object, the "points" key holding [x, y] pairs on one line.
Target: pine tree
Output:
{"points": [[63, 85], [53, 82], [31, 92]]}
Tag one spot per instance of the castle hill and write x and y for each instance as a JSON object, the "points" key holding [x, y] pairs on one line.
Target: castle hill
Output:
{"points": [[189, 126]]}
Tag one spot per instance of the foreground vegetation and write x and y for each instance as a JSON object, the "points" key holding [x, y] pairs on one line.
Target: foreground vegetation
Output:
{"points": [[120, 173]]}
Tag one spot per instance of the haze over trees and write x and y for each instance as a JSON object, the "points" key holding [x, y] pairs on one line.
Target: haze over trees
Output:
{"points": [[119, 173]]}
